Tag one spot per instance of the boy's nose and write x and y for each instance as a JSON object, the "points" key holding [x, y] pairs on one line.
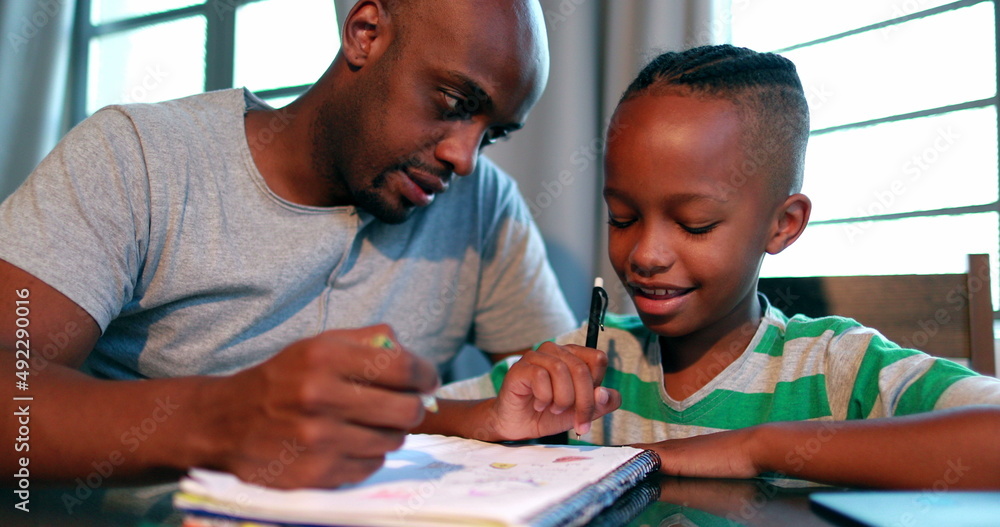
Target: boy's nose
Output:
{"points": [[651, 256]]}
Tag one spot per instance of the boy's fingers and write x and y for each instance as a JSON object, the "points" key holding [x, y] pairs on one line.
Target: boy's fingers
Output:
{"points": [[568, 382], [541, 389], [595, 359], [608, 400], [572, 382], [555, 387], [578, 395]]}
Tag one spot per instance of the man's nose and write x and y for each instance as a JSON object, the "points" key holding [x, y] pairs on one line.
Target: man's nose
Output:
{"points": [[459, 150]]}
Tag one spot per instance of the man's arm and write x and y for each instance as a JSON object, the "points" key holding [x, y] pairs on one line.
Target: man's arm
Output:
{"points": [[946, 449], [312, 415]]}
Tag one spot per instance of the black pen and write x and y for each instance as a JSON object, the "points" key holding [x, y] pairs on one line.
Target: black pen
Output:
{"points": [[598, 307]]}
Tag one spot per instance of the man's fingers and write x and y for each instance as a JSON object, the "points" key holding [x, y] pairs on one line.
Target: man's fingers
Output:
{"points": [[378, 407], [374, 357], [313, 452]]}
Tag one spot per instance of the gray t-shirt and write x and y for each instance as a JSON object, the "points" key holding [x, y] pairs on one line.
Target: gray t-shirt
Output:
{"points": [[155, 220]]}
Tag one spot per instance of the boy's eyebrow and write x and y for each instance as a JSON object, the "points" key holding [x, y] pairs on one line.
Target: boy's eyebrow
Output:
{"points": [[678, 199], [688, 197]]}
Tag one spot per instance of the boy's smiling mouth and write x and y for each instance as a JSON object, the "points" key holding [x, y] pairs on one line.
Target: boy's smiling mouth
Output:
{"points": [[658, 299], [658, 291]]}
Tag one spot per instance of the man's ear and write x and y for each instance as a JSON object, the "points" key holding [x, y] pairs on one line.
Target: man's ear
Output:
{"points": [[366, 33], [790, 220]]}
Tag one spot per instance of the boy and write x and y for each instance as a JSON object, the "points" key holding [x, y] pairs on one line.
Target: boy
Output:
{"points": [[702, 179]]}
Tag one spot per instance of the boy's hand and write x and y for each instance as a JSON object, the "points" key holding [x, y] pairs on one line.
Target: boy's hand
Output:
{"points": [[720, 455], [553, 389]]}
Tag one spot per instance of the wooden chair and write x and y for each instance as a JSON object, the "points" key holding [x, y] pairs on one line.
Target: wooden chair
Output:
{"points": [[946, 315]]}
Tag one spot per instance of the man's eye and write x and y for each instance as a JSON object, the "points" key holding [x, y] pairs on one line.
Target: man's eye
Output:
{"points": [[455, 107], [493, 135]]}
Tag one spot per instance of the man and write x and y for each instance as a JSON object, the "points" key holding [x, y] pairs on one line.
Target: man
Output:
{"points": [[202, 252]]}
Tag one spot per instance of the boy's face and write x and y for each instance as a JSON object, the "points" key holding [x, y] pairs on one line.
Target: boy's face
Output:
{"points": [[688, 224]]}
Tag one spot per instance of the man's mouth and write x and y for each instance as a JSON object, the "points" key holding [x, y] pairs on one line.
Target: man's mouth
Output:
{"points": [[420, 187], [430, 183]]}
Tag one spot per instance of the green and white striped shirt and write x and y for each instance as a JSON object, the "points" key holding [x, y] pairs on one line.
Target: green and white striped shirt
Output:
{"points": [[794, 369]]}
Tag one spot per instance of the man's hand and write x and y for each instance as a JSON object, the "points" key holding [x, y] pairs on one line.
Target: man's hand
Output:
{"points": [[322, 412], [551, 390]]}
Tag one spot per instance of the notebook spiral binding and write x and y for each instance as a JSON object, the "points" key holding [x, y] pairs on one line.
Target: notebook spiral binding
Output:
{"points": [[588, 503], [629, 505]]}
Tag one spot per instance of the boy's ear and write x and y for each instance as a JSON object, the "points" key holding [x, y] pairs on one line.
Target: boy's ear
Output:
{"points": [[366, 33], [791, 219]]}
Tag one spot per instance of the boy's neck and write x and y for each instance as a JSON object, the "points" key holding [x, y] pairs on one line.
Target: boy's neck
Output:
{"points": [[692, 361]]}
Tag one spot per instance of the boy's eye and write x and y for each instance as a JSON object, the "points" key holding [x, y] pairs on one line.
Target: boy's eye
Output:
{"points": [[699, 230], [619, 224]]}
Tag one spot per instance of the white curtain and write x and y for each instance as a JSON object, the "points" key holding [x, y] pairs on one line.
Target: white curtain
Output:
{"points": [[35, 41]]}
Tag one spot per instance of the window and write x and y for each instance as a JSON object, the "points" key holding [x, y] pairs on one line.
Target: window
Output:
{"points": [[902, 161], [154, 50]]}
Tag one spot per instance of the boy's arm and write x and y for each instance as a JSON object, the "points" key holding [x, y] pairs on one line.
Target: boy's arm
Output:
{"points": [[547, 391], [310, 416], [945, 449]]}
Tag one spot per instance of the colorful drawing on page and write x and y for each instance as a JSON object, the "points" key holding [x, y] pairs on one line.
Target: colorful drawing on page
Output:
{"points": [[390, 494], [567, 459]]}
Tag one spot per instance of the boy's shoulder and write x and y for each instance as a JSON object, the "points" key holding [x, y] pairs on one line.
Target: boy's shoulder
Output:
{"points": [[799, 326], [803, 326], [821, 336]]}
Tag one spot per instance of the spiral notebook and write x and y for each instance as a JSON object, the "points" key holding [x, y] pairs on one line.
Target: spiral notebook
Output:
{"points": [[439, 481]]}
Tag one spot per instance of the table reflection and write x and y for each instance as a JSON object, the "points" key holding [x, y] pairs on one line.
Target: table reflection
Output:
{"points": [[718, 502]]}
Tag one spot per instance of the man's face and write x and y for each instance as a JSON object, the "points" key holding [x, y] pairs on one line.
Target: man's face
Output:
{"points": [[464, 75]]}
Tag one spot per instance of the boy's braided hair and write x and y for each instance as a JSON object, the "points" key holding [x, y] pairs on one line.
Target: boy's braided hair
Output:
{"points": [[766, 90]]}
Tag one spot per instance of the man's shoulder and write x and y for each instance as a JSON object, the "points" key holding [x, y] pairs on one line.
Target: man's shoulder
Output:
{"points": [[203, 110]]}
